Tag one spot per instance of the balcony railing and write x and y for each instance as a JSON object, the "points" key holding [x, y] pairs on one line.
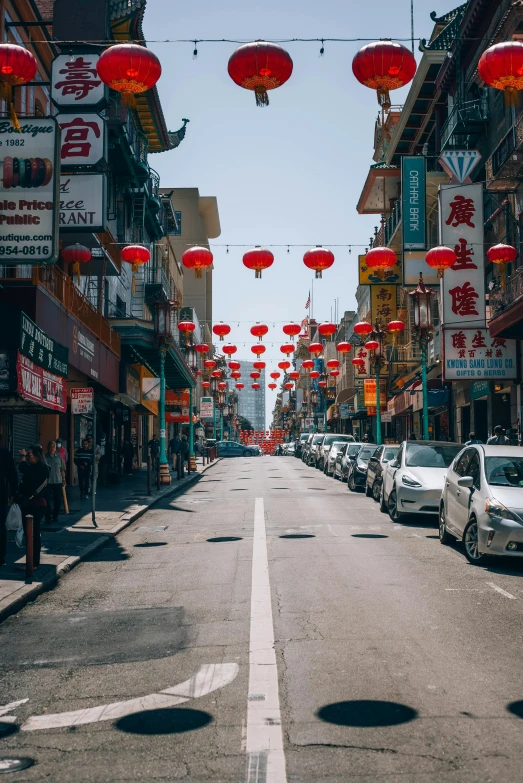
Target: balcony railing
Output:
{"points": [[393, 221], [119, 114], [501, 299], [466, 120]]}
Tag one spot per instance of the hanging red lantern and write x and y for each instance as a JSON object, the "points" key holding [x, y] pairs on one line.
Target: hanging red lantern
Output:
{"points": [[216, 373], [136, 255], [344, 347], [17, 66], [258, 259], [197, 258], [260, 66], [358, 361], [502, 255], [259, 330], [206, 385], [333, 364], [201, 348], [315, 348], [236, 374], [255, 375], [314, 374], [186, 328], [395, 326], [272, 386], [209, 364], [284, 365], [229, 349], [76, 254], [291, 329], [294, 374], [384, 66], [334, 373], [221, 330], [372, 345], [380, 258], [288, 385], [258, 349], [255, 386], [362, 328], [129, 69], [240, 386], [275, 375], [307, 364], [287, 348], [327, 329], [501, 66], [258, 365], [222, 385], [234, 364], [322, 384], [441, 258], [318, 259]]}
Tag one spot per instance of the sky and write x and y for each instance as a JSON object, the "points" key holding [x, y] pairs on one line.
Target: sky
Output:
{"points": [[290, 173]]}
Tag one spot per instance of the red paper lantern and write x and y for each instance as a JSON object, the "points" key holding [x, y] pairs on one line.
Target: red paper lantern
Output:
{"points": [[240, 386], [236, 374], [384, 66], [209, 364], [291, 329], [258, 259], [206, 385], [307, 364], [275, 375], [255, 375], [318, 259], [129, 69], [501, 66], [322, 384], [358, 361], [216, 373], [381, 258], [234, 365], [502, 254], [201, 348], [221, 330], [197, 258], [441, 258], [17, 66], [288, 385], [186, 327], [334, 373], [229, 349], [327, 329], [258, 365], [315, 348], [287, 348], [362, 328], [258, 349], [333, 364], [344, 347], [294, 374], [372, 345], [272, 386], [395, 326], [314, 374], [76, 254], [136, 255], [284, 365], [222, 385], [259, 330], [255, 386], [260, 66]]}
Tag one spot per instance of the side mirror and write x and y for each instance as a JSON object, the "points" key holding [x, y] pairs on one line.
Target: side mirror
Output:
{"points": [[466, 482], [385, 461]]}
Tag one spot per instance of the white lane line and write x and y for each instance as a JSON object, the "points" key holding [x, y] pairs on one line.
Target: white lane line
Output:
{"points": [[11, 706], [501, 591], [264, 741], [332, 531], [209, 678]]}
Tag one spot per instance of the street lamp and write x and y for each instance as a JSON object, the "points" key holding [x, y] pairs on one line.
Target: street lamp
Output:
{"points": [[421, 300], [164, 339]]}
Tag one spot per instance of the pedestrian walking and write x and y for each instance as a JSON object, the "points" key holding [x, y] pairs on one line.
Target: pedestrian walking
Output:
{"points": [[175, 445], [56, 481], [128, 456], [498, 439], [83, 459], [472, 439], [154, 448], [8, 487], [62, 451], [184, 455], [32, 493]]}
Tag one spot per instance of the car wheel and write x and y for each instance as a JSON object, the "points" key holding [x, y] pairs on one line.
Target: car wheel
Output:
{"points": [[368, 490], [471, 544], [444, 536], [351, 483], [376, 492], [325, 470], [383, 505], [247, 453], [392, 507]]}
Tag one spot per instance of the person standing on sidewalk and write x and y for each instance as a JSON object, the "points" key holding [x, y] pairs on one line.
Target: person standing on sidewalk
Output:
{"points": [[184, 456], [8, 487], [154, 447], [175, 445], [498, 439], [56, 467], [33, 490], [83, 459]]}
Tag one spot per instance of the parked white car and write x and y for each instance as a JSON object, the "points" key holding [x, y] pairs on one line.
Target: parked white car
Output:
{"points": [[413, 481], [482, 502]]}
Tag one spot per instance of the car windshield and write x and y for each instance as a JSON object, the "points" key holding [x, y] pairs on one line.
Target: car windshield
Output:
{"points": [[329, 439], [304, 437], [353, 450], [422, 455], [504, 471], [366, 453], [337, 447], [317, 438], [389, 454]]}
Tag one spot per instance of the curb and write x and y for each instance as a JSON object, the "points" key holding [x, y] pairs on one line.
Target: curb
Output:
{"points": [[12, 605]]}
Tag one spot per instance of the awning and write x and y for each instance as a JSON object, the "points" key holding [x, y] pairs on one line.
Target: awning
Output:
{"points": [[345, 395], [138, 338]]}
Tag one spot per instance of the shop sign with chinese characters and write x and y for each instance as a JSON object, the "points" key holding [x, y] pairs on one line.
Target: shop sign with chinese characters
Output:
{"points": [[461, 228], [29, 181], [84, 140], [369, 276], [42, 349], [361, 370], [473, 353], [383, 304], [75, 82], [39, 386], [369, 393]]}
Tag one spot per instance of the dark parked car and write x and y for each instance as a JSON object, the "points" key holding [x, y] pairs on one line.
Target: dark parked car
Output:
{"points": [[344, 459], [300, 443], [383, 455], [306, 448], [230, 448], [357, 476]]}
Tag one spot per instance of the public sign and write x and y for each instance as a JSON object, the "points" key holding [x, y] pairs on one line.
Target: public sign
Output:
{"points": [[369, 276], [413, 193], [461, 228], [75, 82], [473, 353], [29, 182], [39, 386], [369, 393], [42, 349], [383, 304], [206, 408], [344, 410], [83, 140], [386, 418], [82, 202], [82, 401]]}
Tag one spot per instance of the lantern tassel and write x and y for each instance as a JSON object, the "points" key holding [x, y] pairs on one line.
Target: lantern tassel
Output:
{"points": [[257, 273], [502, 272], [383, 99], [129, 100], [511, 97], [76, 271], [262, 99], [318, 274], [198, 273]]}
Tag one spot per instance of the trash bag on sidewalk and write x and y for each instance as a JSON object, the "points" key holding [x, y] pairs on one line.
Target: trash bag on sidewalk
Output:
{"points": [[14, 517]]}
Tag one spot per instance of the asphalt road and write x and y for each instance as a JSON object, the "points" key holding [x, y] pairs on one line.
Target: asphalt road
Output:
{"points": [[385, 657]]}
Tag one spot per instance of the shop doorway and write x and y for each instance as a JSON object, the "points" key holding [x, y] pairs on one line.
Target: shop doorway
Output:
{"points": [[465, 423], [501, 410], [481, 419]]}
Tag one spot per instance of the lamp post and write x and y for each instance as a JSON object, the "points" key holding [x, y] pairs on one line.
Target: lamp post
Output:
{"points": [[421, 299], [164, 340], [191, 357]]}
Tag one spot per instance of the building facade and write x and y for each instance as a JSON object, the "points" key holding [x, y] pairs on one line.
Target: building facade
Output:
{"points": [[251, 402]]}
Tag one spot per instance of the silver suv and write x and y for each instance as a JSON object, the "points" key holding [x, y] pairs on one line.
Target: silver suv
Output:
{"points": [[314, 450], [326, 447]]}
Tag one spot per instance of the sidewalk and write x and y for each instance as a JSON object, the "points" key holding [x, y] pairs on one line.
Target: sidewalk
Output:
{"points": [[73, 538]]}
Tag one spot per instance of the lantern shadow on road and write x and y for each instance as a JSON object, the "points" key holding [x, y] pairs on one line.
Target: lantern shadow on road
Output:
{"points": [[516, 708], [163, 721], [7, 729], [148, 544], [368, 535], [366, 713], [298, 535], [224, 539]]}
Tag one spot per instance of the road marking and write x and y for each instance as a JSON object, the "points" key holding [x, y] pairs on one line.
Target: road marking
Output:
{"points": [[209, 678], [11, 706], [501, 591], [264, 741], [332, 531]]}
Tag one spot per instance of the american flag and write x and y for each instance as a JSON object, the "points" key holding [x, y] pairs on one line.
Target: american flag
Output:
{"points": [[308, 302]]}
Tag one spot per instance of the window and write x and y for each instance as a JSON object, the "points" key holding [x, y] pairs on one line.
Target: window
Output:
{"points": [[390, 454], [461, 465], [474, 469], [504, 471], [422, 456]]}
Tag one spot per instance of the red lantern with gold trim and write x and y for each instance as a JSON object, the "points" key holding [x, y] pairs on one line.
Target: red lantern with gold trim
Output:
{"points": [[206, 384], [229, 349], [275, 375], [129, 69], [197, 258], [315, 348], [333, 364], [209, 364], [259, 330], [258, 365], [234, 364], [384, 66], [76, 254], [441, 258], [322, 384], [186, 328], [318, 259], [17, 66], [272, 386], [221, 330], [502, 255], [327, 329], [314, 374], [240, 386], [258, 349], [136, 255], [256, 386], [236, 374], [501, 66], [289, 385], [255, 375], [287, 348], [380, 258], [344, 347], [291, 329], [362, 328], [284, 365], [258, 259], [201, 348], [307, 364], [260, 66]]}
